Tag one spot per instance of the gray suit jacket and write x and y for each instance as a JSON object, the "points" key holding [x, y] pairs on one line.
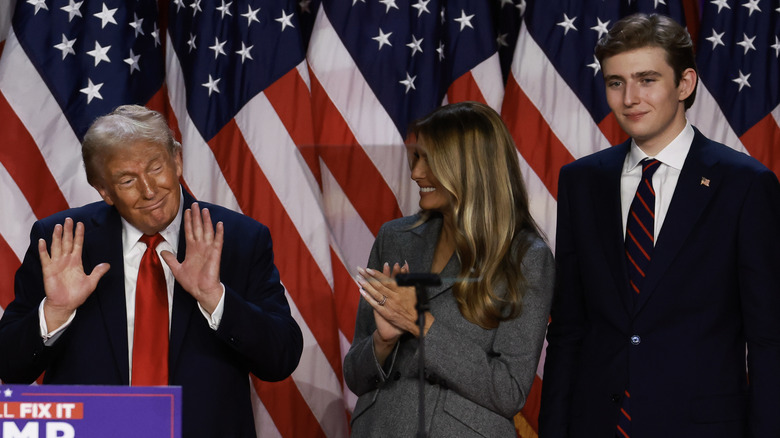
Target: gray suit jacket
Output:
{"points": [[476, 379]]}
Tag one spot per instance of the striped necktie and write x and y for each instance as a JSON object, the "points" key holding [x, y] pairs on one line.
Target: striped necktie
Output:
{"points": [[639, 228], [639, 250]]}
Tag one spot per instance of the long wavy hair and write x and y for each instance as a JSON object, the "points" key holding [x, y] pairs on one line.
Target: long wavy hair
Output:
{"points": [[470, 151]]}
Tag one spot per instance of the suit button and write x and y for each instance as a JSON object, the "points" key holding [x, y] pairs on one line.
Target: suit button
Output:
{"points": [[636, 340], [615, 398]]}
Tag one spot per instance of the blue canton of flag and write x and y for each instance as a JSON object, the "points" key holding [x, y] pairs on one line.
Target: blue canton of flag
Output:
{"points": [[508, 16], [739, 59], [410, 52], [230, 51], [93, 55], [567, 32]]}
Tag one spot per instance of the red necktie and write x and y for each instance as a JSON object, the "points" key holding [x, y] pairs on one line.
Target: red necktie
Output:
{"points": [[150, 334]]}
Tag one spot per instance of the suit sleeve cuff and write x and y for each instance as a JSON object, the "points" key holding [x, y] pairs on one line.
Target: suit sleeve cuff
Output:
{"points": [[216, 317], [50, 338], [391, 359]]}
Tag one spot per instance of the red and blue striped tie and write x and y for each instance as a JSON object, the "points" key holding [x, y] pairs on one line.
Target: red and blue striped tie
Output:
{"points": [[639, 250], [640, 226]]}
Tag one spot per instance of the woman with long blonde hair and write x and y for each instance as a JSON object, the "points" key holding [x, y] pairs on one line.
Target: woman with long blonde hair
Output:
{"points": [[485, 327]]}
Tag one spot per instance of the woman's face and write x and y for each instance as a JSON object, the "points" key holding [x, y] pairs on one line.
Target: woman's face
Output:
{"points": [[433, 196]]}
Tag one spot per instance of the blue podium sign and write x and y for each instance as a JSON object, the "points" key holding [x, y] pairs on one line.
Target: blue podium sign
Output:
{"points": [[89, 411]]}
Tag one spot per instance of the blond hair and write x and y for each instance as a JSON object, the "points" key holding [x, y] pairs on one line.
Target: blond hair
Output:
{"points": [[470, 151], [123, 126]]}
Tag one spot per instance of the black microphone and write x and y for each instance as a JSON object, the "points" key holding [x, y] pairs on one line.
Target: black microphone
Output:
{"points": [[418, 279]]}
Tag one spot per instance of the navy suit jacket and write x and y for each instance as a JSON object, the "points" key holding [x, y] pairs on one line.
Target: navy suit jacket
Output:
{"points": [[256, 335], [712, 290]]}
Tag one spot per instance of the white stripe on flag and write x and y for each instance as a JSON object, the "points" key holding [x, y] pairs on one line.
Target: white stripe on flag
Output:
{"points": [[17, 216], [289, 176], [542, 205], [264, 423], [551, 95], [303, 70], [317, 382], [706, 115], [341, 79], [34, 105], [350, 234], [487, 74], [201, 170]]}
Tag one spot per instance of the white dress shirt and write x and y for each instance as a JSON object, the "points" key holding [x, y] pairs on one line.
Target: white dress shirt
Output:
{"points": [[132, 252], [672, 158]]}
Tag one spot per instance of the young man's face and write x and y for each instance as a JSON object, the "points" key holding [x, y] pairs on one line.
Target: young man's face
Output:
{"points": [[643, 96]]}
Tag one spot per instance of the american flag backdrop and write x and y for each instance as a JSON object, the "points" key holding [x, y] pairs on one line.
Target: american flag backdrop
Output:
{"points": [[739, 55], [294, 113]]}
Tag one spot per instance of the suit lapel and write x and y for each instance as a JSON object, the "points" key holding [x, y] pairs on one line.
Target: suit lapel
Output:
{"points": [[606, 200], [421, 256], [103, 243], [690, 198], [183, 303]]}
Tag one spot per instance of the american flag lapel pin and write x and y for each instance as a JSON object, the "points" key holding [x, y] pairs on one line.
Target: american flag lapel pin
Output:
{"points": [[705, 181]]}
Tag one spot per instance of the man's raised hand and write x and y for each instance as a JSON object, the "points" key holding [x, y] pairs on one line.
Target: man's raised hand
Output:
{"points": [[198, 274], [64, 280]]}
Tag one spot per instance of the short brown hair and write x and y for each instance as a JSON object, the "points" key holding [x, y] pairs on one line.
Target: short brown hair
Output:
{"points": [[127, 123], [654, 30]]}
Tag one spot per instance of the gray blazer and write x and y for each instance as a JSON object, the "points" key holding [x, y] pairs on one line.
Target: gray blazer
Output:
{"points": [[476, 379]]}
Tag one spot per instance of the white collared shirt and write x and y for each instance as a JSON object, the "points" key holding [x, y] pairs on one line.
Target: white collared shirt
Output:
{"points": [[672, 158], [132, 252]]}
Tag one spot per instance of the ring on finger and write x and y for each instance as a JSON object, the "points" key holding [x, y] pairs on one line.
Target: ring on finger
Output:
{"points": [[384, 300]]}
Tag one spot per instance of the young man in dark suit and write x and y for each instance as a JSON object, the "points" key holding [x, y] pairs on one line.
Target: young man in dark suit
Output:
{"points": [[218, 287], [668, 266]]}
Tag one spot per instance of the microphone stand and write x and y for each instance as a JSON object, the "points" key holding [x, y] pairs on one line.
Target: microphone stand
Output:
{"points": [[420, 281]]}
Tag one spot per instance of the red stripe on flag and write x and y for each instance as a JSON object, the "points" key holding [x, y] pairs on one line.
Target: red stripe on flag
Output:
{"points": [[299, 271], [762, 141], [346, 296], [287, 407], [611, 129], [532, 403], [167, 109], [160, 103], [9, 263], [465, 88], [692, 19], [291, 100], [24, 162], [536, 142], [349, 163]]}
